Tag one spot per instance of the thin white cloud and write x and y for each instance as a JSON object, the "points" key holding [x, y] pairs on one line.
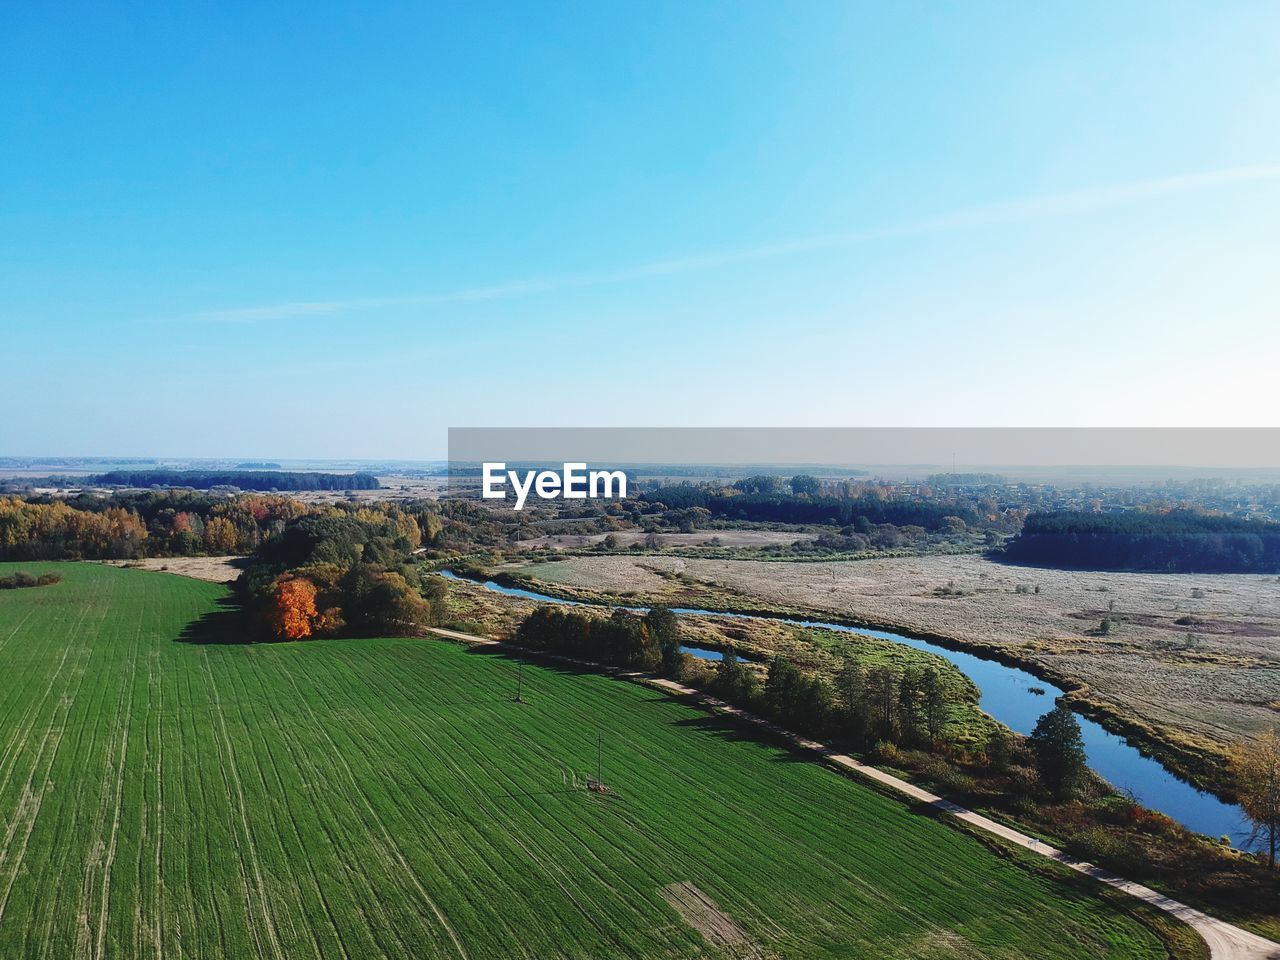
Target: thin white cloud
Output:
{"points": [[1008, 211]]}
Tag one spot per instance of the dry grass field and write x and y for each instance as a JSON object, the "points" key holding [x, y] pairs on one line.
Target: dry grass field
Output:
{"points": [[707, 538], [393, 488], [212, 569], [1192, 661]]}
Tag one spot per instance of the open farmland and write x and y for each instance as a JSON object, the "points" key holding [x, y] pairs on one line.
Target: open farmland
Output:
{"points": [[386, 798], [1193, 659]]}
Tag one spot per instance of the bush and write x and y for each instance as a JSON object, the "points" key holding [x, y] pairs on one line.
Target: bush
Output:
{"points": [[20, 579], [946, 776], [1098, 844], [887, 753], [1024, 784]]}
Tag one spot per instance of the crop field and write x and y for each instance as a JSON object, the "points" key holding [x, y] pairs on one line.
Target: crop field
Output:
{"points": [[1195, 658], [386, 798]]}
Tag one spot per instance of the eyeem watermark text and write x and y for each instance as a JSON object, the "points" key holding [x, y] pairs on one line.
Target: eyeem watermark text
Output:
{"points": [[574, 482]]}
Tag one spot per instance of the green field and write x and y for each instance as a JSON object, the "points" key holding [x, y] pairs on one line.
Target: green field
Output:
{"points": [[386, 798]]}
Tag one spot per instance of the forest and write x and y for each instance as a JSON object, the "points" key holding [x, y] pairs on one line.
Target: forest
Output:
{"points": [[1179, 541], [262, 480], [170, 523], [765, 500]]}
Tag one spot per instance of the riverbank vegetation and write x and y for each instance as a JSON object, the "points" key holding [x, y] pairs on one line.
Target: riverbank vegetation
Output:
{"points": [[1256, 767]]}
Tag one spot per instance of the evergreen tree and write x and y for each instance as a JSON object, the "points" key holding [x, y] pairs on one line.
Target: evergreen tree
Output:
{"points": [[855, 712], [1059, 750]]}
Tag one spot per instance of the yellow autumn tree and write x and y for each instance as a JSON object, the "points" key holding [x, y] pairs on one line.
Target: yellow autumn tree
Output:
{"points": [[1256, 769], [220, 535]]}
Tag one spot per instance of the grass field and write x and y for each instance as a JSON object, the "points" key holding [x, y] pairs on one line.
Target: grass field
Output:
{"points": [[386, 798]]}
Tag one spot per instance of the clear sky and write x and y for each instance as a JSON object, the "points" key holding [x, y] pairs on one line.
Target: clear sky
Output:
{"points": [[334, 230]]}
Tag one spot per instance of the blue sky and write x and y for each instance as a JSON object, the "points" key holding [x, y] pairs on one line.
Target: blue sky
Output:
{"points": [[318, 230]]}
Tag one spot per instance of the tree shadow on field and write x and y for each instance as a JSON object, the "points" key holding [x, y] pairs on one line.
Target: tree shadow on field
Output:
{"points": [[725, 727], [549, 662], [733, 730], [224, 624]]}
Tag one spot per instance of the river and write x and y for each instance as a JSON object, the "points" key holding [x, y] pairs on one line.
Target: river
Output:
{"points": [[1009, 695]]}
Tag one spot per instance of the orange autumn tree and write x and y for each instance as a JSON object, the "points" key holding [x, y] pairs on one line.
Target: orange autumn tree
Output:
{"points": [[293, 608]]}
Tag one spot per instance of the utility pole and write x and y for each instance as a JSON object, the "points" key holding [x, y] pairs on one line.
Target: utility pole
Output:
{"points": [[596, 784]]}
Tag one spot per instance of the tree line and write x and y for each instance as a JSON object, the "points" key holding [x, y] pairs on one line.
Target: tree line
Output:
{"points": [[58, 531], [765, 500], [862, 707], [173, 523], [1180, 541], [261, 480], [625, 639]]}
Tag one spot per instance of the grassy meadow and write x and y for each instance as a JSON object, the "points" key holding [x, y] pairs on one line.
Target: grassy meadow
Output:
{"points": [[386, 798]]}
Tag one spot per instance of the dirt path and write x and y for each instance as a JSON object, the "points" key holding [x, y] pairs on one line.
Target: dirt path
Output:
{"points": [[1226, 941]]}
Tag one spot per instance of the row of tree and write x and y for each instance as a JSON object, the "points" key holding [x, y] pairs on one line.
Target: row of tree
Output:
{"points": [[56, 530], [625, 639], [863, 707], [871, 708], [16, 581], [764, 500], [264, 480], [186, 523], [882, 704]]}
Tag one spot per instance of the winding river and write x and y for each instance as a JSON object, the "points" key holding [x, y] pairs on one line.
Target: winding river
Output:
{"points": [[1017, 699]]}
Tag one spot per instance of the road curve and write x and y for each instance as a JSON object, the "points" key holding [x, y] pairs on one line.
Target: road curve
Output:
{"points": [[1226, 941]]}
